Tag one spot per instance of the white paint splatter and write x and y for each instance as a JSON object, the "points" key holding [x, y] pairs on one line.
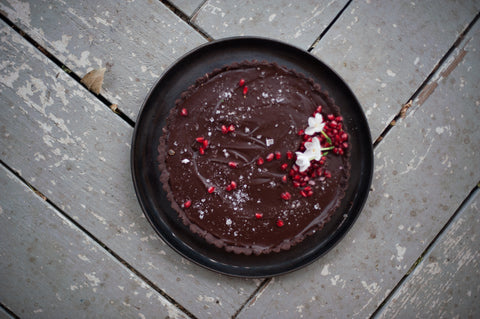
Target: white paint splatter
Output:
{"points": [[325, 271], [400, 252], [391, 73], [272, 17]]}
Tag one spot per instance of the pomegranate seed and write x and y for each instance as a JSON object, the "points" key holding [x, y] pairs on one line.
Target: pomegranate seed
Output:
{"points": [[301, 132], [231, 128], [187, 204], [286, 196], [333, 124], [224, 129], [303, 193], [310, 193], [308, 189], [233, 184], [327, 174], [200, 139], [284, 166], [284, 178], [211, 189], [245, 90], [340, 151], [201, 150], [339, 119], [278, 155], [258, 215], [205, 143], [345, 145], [228, 188], [289, 155], [260, 161], [330, 117], [270, 157], [319, 109], [233, 164], [241, 82], [280, 223], [183, 112], [296, 184]]}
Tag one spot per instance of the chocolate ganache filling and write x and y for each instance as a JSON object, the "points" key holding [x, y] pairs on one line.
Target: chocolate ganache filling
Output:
{"points": [[229, 157]]}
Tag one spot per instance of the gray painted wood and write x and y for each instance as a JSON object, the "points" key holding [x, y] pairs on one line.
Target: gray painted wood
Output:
{"points": [[385, 49], [446, 284], [76, 152], [135, 40], [187, 6], [41, 251], [4, 314], [296, 22], [424, 168]]}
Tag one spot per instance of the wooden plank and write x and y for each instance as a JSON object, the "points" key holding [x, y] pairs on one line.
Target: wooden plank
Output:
{"points": [[424, 168], [41, 251], [187, 6], [446, 284], [76, 152], [4, 314], [135, 40], [385, 49], [298, 23]]}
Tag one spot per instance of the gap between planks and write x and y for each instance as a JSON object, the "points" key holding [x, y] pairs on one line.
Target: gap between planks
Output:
{"points": [[179, 13], [113, 107], [99, 242], [426, 88], [429, 248]]}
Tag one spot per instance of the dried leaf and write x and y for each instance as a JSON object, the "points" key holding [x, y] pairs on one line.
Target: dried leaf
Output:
{"points": [[114, 108], [404, 109], [93, 80]]}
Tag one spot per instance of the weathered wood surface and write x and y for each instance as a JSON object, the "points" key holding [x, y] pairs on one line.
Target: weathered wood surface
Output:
{"points": [[4, 314], [386, 49], [446, 284], [187, 6], [424, 169], [296, 22], [42, 251], [76, 152], [135, 40]]}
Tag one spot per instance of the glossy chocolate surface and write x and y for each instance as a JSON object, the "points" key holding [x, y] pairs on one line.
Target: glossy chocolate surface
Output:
{"points": [[265, 120]]}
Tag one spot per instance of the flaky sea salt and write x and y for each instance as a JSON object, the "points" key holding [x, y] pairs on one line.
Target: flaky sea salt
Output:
{"points": [[269, 141]]}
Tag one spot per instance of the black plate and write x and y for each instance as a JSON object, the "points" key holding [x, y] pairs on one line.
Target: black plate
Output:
{"points": [[149, 128]]}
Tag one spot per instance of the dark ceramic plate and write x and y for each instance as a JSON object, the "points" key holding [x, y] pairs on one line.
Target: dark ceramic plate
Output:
{"points": [[146, 175]]}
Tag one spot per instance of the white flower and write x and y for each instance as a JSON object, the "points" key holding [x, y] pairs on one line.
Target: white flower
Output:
{"points": [[315, 124], [313, 152]]}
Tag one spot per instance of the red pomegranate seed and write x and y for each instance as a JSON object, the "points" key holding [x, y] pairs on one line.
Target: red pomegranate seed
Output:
{"points": [[278, 155], [241, 82], [280, 223], [258, 215], [231, 128], [344, 136], [260, 161], [200, 139], [345, 145], [330, 117], [284, 166], [327, 174], [301, 132], [187, 204], [270, 157], [284, 178], [296, 184], [319, 109], [211, 189], [205, 143], [233, 164], [339, 119], [201, 150], [303, 193], [286, 196], [183, 112], [289, 155], [233, 184], [310, 193], [224, 129], [228, 188], [245, 90]]}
